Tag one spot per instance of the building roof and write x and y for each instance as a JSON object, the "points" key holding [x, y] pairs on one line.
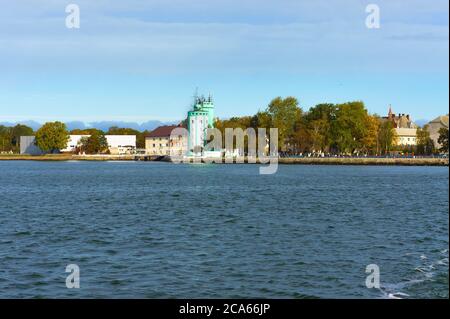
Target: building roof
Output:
{"points": [[400, 120], [443, 120], [162, 131], [404, 131]]}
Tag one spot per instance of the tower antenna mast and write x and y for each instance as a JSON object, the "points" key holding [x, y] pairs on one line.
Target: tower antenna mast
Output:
{"points": [[196, 95]]}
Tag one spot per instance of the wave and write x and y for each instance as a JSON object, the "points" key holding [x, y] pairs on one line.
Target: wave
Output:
{"points": [[426, 271]]}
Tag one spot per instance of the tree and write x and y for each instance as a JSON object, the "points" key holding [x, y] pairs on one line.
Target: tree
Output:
{"points": [[87, 131], [443, 139], [349, 128], [5, 138], [18, 131], [425, 144], [52, 137], [243, 122], [140, 139], [262, 119], [318, 131], [94, 144], [114, 130], [370, 141], [284, 113], [387, 136], [302, 140], [318, 122]]}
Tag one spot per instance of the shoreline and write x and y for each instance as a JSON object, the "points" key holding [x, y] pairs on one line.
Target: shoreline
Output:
{"points": [[288, 161]]}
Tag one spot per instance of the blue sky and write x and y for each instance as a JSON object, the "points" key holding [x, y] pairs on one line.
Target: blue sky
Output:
{"points": [[142, 60]]}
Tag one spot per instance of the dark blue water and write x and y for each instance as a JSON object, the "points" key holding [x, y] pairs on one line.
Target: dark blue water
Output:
{"points": [[156, 230]]}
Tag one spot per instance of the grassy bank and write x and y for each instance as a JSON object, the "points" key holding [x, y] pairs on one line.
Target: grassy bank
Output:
{"points": [[304, 161]]}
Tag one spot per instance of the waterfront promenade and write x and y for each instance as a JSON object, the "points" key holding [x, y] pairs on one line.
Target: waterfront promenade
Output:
{"points": [[403, 161]]}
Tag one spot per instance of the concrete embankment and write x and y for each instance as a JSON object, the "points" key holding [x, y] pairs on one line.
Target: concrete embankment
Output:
{"points": [[356, 161], [67, 157], [367, 161], [300, 161]]}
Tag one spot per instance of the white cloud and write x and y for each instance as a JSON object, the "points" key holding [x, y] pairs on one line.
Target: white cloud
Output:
{"points": [[182, 36]]}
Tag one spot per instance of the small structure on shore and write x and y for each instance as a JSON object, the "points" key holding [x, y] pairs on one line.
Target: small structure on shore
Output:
{"points": [[160, 143]]}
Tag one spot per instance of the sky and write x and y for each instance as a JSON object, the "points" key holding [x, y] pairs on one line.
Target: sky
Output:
{"points": [[143, 60]]}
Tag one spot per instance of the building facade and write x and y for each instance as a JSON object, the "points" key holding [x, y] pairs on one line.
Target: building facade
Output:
{"points": [[160, 142], [73, 143], [27, 146], [406, 136], [405, 128], [435, 125], [121, 144]]}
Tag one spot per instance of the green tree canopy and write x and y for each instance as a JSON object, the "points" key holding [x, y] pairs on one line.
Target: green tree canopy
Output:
{"points": [[94, 144], [10, 136], [443, 139], [371, 140], [18, 131], [284, 114], [5, 138], [114, 130], [349, 127], [87, 131], [387, 136], [52, 137], [425, 144]]}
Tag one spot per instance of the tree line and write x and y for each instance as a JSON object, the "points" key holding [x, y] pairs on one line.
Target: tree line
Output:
{"points": [[53, 136], [10, 137], [346, 129]]}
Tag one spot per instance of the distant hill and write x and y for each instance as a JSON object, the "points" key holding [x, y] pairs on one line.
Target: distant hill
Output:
{"points": [[421, 122], [33, 124], [101, 125], [149, 125]]}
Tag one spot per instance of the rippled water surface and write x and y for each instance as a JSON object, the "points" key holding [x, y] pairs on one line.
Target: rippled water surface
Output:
{"points": [[156, 230]]}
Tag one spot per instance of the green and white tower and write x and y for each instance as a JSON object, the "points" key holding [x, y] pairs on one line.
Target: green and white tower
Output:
{"points": [[199, 119]]}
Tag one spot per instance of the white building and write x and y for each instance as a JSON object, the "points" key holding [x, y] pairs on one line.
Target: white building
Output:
{"points": [[198, 123], [121, 144], [199, 119], [74, 141], [117, 144], [406, 136]]}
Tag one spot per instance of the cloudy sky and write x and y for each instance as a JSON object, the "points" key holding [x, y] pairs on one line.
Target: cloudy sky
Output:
{"points": [[142, 60]]}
